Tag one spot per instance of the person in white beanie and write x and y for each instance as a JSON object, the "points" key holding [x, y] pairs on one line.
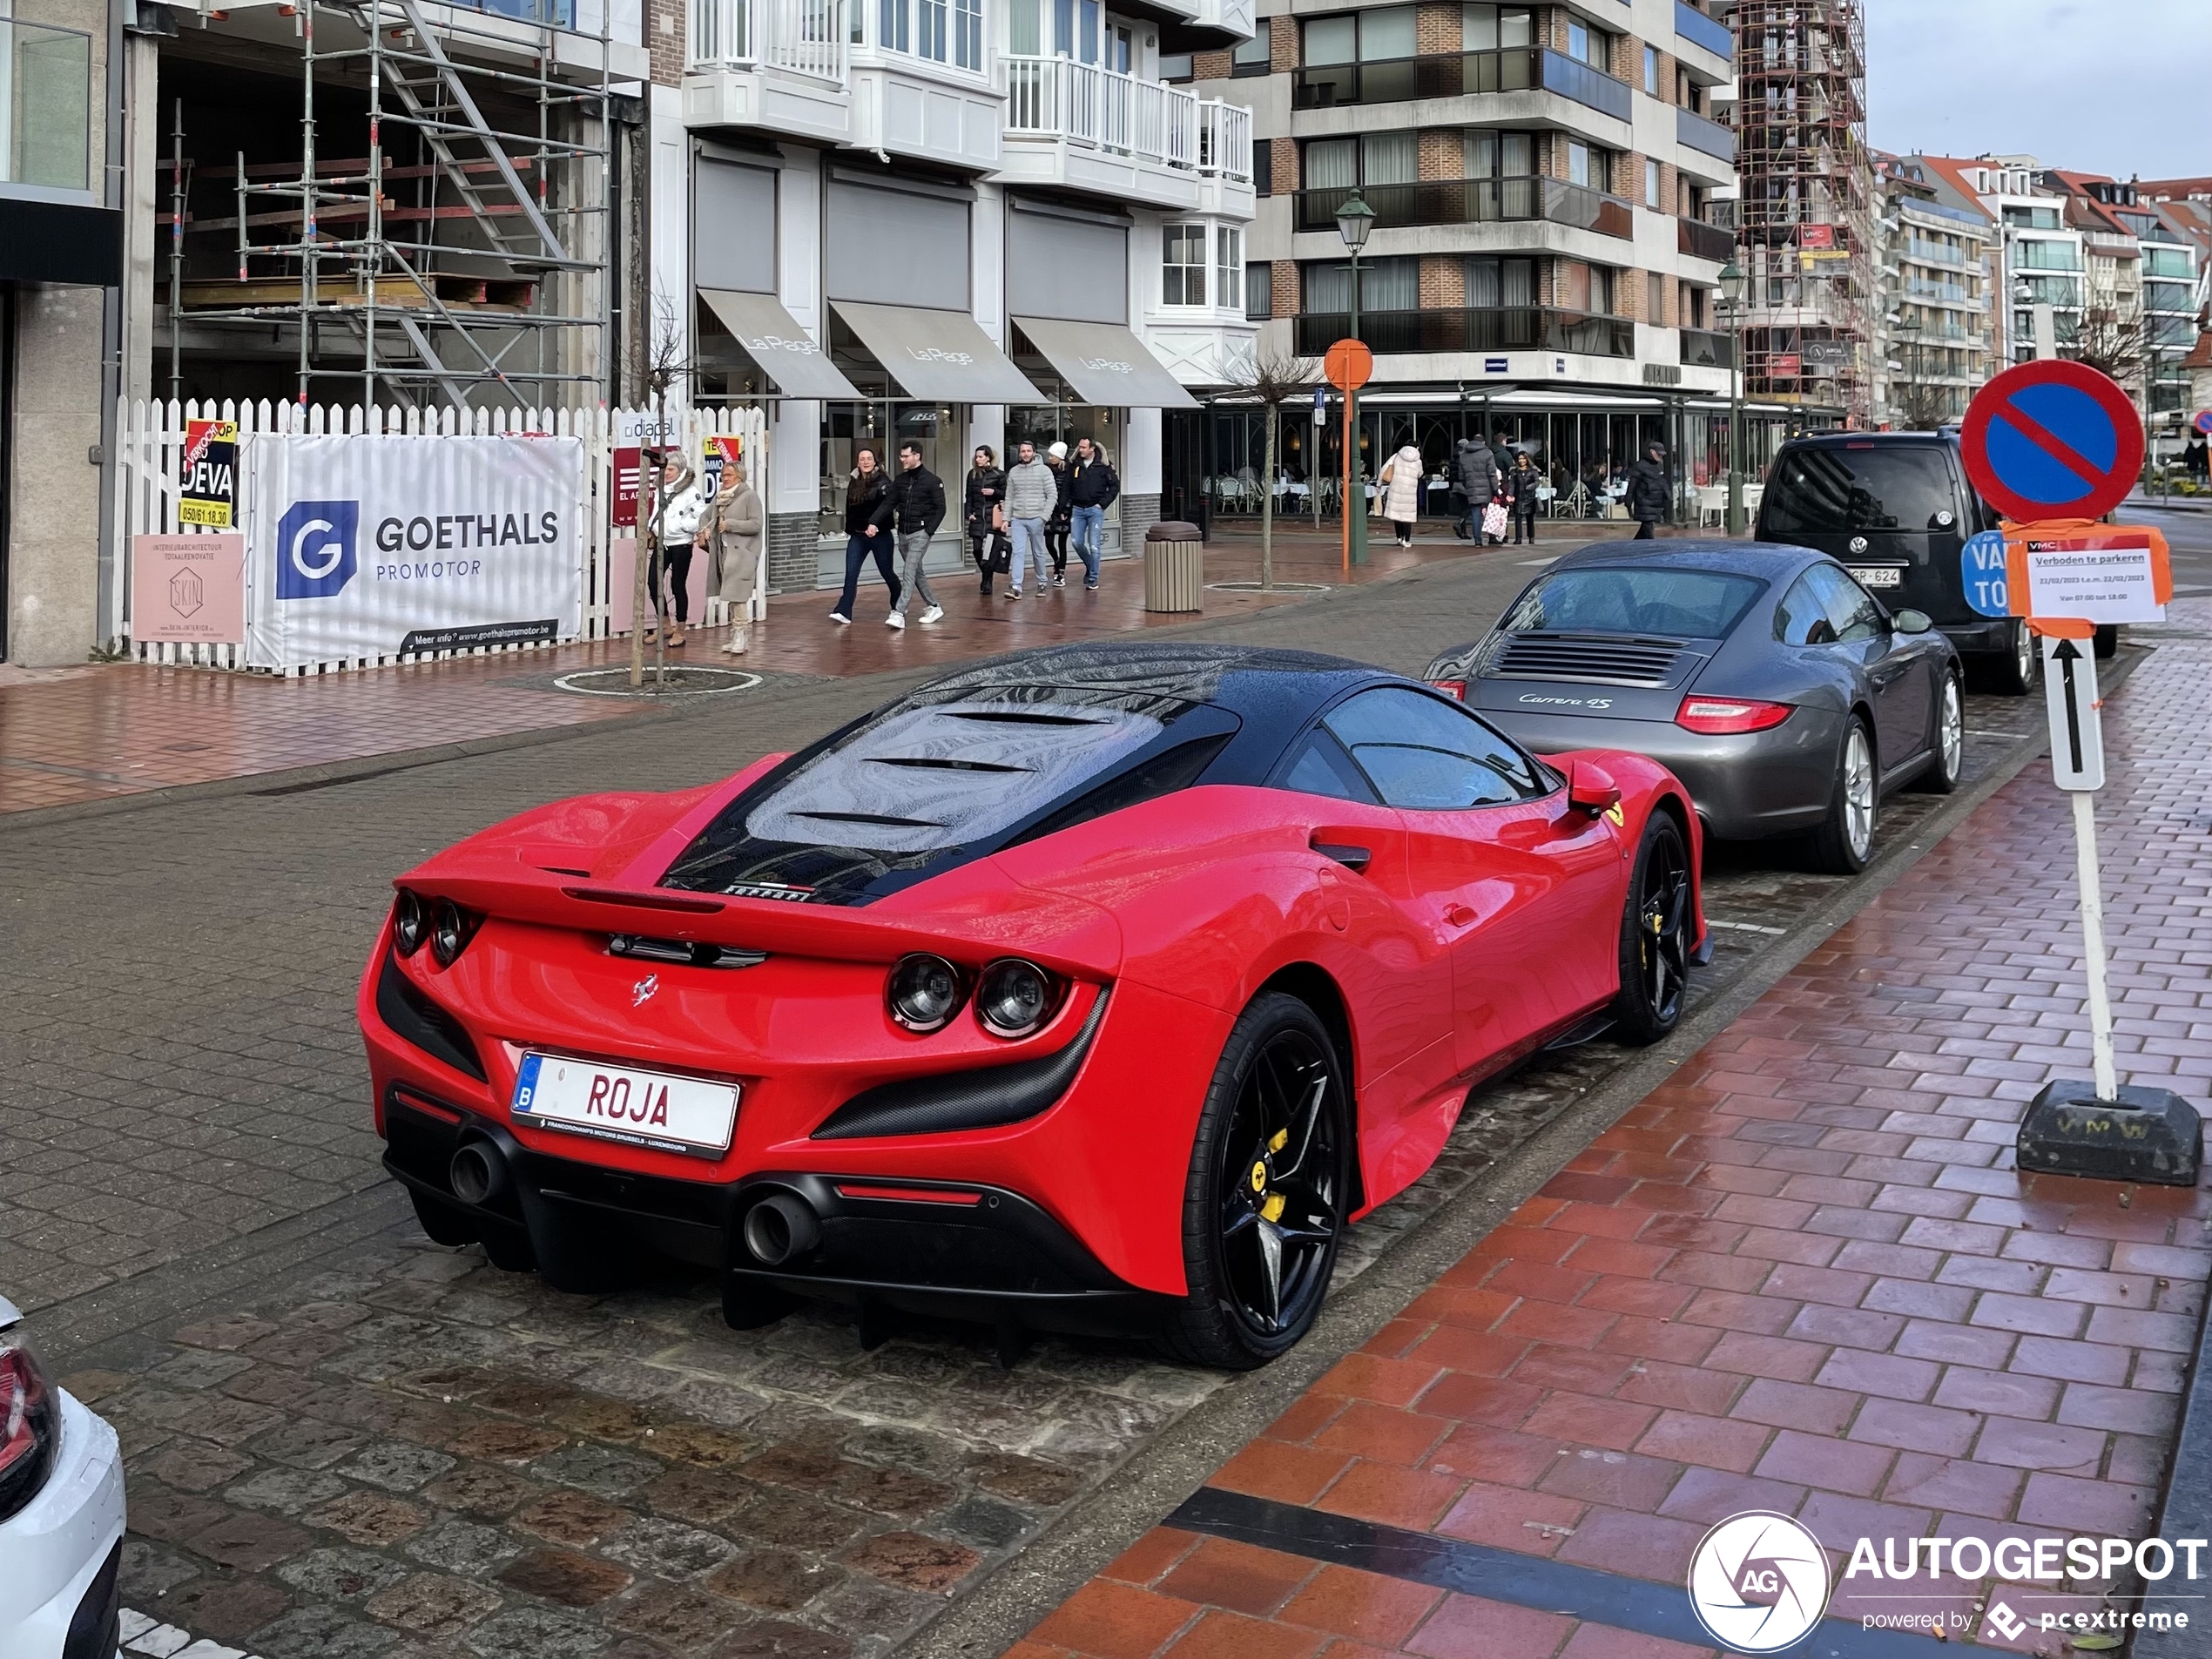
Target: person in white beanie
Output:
{"points": [[1062, 516]]}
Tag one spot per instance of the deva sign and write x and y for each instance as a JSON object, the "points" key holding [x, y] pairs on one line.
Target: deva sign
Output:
{"points": [[364, 546]]}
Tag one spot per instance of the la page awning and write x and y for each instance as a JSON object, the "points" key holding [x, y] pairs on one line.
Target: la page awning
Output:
{"points": [[937, 356], [1109, 366], [773, 338]]}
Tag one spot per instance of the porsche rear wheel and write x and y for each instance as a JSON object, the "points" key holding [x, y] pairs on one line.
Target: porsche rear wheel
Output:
{"points": [[1263, 1205], [1844, 844], [1654, 936]]}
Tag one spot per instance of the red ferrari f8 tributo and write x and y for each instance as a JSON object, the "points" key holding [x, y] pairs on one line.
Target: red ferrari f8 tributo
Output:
{"points": [[1096, 989]]}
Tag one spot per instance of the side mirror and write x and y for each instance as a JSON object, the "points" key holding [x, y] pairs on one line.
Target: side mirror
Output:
{"points": [[1591, 789], [1912, 621]]}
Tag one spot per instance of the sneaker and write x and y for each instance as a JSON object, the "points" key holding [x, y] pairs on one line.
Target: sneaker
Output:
{"points": [[935, 613], [1014, 593], [983, 588], [1090, 587], [840, 619], [1058, 580], [894, 620]]}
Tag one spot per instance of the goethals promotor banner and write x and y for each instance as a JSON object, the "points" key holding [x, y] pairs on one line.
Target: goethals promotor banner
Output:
{"points": [[368, 546]]}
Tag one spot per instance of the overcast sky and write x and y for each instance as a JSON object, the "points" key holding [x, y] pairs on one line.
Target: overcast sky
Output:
{"points": [[2109, 86]]}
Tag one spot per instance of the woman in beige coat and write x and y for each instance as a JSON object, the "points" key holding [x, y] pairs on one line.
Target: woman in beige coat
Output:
{"points": [[1401, 482], [736, 530]]}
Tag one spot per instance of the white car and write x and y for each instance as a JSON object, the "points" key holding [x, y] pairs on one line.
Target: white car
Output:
{"points": [[61, 1513]]}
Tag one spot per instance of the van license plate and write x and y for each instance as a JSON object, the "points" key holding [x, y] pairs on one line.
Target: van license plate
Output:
{"points": [[1879, 576]]}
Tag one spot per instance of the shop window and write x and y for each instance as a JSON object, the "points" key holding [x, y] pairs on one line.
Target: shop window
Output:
{"points": [[1259, 290], [1182, 265], [1254, 56], [1485, 27], [1229, 263]]}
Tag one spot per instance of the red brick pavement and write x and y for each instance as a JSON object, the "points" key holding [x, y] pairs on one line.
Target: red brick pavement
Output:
{"points": [[1802, 1276]]}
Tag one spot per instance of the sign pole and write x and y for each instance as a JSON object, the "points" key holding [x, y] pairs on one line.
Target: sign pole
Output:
{"points": [[2093, 944], [1347, 365]]}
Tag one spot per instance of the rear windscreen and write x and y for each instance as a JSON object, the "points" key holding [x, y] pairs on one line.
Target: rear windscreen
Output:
{"points": [[1837, 492], [1681, 605]]}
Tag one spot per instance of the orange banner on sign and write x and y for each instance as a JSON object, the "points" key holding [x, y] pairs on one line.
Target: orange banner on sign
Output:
{"points": [[2054, 561]]}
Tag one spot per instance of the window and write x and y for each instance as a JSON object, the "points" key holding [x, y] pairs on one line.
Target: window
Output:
{"points": [[1387, 34], [1655, 299], [968, 33], [1177, 67], [1331, 164], [1229, 263], [894, 32], [1827, 491], [1263, 166], [1259, 290], [1578, 163], [1088, 13], [1802, 617], [1495, 154], [1686, 605], [1385, 285], [1390, 159], [1492, 283], [1333, 40], [930, 39], [1252, 57], [1024, 35], [1851, 614], [1420, 753], [1485, 27], [1589, 166], [1651, 185], [1321, 767], [1651, 71], [1182, 265]]}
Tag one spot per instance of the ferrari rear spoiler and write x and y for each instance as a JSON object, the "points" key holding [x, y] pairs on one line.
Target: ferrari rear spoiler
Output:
{"points": [[981, 914]]}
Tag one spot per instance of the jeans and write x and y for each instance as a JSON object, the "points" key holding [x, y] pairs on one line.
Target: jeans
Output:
{"points": [[1089, 527], [1476, 510], [675, 569], [858, 550], [1028, 543], [914, 548]]}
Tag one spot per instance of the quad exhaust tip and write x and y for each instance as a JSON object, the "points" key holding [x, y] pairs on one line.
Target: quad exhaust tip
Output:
{"points": [[478, 1173], [781, 1227]]}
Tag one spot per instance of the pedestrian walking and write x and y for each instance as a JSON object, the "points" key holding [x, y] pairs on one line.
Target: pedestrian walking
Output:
{"points": [[2196, 459], [1521, 485], [917, 508], [868, 530], [1474, 481], [1062, 522], [1649, 495], [734, 531], [1032, 496], [1092, 488], [673, 533], [983, 513], [1401, 481]]}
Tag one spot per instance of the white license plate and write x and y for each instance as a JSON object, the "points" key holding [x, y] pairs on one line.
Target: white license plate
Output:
{"points": [[1879, 576], [619, 1103]]}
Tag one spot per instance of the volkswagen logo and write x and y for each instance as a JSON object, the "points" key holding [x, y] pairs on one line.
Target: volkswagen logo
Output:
{"points": [[1858, 544], [1758, 1583]]}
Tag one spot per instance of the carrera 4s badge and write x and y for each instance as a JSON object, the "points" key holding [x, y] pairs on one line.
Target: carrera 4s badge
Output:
{"points": [[1568, 702]]}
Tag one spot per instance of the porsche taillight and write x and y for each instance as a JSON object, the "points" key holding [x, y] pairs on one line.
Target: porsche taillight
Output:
{"points": [[1716, 717], [30, 1426], [1452, 688]]}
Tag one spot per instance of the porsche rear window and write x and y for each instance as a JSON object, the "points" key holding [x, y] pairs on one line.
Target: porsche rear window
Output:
{"points": [[1679, 604]]}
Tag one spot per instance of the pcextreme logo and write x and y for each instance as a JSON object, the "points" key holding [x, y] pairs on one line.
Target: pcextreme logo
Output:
{"points": [[1758, 1583], [317, 547]]}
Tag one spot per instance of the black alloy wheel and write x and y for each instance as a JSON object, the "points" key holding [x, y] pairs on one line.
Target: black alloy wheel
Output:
{"points": [[1265, 1203], [1654, 936]]}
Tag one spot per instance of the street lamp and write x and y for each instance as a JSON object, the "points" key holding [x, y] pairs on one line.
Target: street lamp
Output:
{"points": [[1732, 309], [1354, 220], [1909, 328]]}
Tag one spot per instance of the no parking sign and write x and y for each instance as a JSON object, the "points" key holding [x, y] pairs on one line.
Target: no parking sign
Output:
{"points": [[2052, 440]]}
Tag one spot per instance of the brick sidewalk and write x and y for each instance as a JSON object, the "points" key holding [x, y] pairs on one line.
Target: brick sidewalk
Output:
{"points": [[1801, 1277]]}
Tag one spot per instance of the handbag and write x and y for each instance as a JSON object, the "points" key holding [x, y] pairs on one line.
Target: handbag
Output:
{"points": [[1494, 519]]}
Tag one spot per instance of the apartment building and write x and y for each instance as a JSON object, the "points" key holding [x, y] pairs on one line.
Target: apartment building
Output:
{"points": [[1543, 262], [1934, 346], [961, 222]]}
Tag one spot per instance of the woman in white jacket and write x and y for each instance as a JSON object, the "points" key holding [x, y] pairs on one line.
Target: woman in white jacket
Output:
{"points": [[676, 527], [1401, 482]]}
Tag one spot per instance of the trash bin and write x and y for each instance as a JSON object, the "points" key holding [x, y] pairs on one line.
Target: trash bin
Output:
{"points": [[1174, 565]]}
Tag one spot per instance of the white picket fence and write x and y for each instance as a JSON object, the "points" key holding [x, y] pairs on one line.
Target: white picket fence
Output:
{"points": [[150, 441]]}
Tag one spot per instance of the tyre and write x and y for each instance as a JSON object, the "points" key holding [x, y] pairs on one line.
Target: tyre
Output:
{"points": [[2109, 639], [1842, 845], [1948, 761], [2014, 672], [1654, 936], [1264, 1202]]}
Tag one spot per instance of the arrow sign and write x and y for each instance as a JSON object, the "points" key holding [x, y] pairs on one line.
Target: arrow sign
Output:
{"points": [[2077, 727], [2052, 440]]}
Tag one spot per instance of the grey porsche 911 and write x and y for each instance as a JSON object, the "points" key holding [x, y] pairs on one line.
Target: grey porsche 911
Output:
{"points": [[1781, 692]]}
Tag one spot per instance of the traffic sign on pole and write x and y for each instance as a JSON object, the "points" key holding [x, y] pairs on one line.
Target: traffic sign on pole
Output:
{"points": [[2203, 422], [2077, 720], [1981, 565], [1349, 365], [2052, 440]]}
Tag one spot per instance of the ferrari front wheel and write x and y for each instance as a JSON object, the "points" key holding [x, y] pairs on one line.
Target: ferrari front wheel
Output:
{"points": [[1264, 1201], [1655, 939]]}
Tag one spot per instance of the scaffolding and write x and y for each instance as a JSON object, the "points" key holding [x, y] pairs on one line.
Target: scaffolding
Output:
{"points": [[469, 256], [1804, 223]]}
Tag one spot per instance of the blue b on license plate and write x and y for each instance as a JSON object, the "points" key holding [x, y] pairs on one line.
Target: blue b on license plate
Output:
{"points": [[622, 1103]]}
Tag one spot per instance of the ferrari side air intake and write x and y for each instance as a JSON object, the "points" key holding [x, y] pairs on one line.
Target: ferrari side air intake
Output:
{"points": [[781, 1227]]}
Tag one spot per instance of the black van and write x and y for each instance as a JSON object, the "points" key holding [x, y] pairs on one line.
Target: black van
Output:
{"points": [[1897, 507]]}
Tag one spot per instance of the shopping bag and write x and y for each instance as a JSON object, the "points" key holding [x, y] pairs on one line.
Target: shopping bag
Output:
{"points": [[1494, 519]]}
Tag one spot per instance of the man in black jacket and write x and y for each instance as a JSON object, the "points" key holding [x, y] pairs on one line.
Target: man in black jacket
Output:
{"points": [[1649, 494], [917, 508], [1474, 480], [1092, 488]]}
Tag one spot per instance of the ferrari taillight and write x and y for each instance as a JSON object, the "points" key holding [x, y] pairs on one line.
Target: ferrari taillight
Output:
{"points": [[1452, 688], [1715, 717]]}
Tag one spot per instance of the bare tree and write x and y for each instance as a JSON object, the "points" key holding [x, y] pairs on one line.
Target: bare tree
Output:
{"points": [[1922, 407], [1271, 381], [2112, 342], [669, 366]]}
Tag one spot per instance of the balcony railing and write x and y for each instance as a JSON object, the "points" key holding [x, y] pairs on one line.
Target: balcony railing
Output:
{"points": [[1124, 114], [1473, 201], [1395, 80], [1695, 131], [1933, 253], [1702, 350], [1704, 241], [46, 130], [1699, 29], [803, 37], [1504, 328]]}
